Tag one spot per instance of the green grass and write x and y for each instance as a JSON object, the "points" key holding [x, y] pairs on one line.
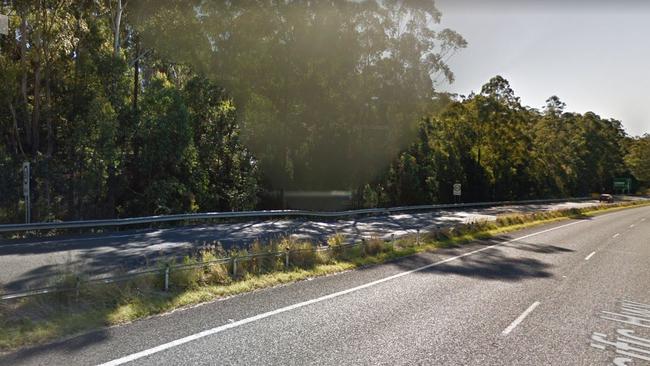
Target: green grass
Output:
{"points": [[40, 319]]}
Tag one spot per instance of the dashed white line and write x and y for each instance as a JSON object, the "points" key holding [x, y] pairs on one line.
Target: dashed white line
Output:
{"points": [[589, 256], [219, 329], [615, 235], [520, 319], [631, 226]]}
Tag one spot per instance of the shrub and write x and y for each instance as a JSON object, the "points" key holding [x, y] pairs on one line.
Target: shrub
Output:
{"points": [[214, 273], [335, 242], [373, 246], [184, 278], [67, 281], [267, 262], [243, 264], [444, 233], [507, 220], [324, 256], [350, 253], [302, 255]]}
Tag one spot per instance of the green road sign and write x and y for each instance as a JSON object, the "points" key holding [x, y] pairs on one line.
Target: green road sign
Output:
{"points": [[622, 185]]}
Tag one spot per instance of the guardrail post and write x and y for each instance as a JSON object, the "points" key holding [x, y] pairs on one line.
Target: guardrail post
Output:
{"points": [[77, 286], [286, 258], [167, 277]]}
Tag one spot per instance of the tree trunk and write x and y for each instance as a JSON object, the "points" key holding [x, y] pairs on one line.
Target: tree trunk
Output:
{"points": [[23, 81], [37, 44], [17, 142], [50, 136], [36, 113], [117, 21], [136, 76]]}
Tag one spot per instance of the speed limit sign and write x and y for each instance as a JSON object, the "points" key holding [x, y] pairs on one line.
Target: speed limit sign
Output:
{"points": [[457, 190]]}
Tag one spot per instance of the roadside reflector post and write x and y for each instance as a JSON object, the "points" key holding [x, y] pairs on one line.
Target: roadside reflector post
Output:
{"points": [[77, 286], [392, 240], [286, 258], [4, 24], [234, 267], [417, 238], [167, 277], [26, 191]]}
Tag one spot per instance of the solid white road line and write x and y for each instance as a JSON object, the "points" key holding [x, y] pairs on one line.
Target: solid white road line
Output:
{"points": [[520, 319], [589, 256], [39, 243], [205, 333], [615, 235], [631, 226]]}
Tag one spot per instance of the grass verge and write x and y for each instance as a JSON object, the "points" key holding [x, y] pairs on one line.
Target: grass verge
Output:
{"points": [[39, 319]]}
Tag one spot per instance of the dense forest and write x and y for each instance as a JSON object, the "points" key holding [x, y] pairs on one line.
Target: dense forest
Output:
{"points": [[128, 108], [500, 150]]}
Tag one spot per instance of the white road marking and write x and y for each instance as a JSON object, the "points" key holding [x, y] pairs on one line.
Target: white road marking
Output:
{"points": [[520, 319], [631, 226], [643, 219], [209, 332], [589, 256], [615, 235], [76, 240]]}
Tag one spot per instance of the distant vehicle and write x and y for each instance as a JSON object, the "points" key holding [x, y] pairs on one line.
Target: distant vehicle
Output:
{"points": [[606, 198]]}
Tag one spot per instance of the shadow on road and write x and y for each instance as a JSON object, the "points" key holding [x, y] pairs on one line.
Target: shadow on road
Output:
{"points": [[70, 346], [491, 263], [44, 261], [500, 263], [494, 266]]}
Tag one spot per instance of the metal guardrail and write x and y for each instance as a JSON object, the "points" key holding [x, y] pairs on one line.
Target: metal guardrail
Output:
{"points": [[233, 260], [257, 214], [165, 271]]}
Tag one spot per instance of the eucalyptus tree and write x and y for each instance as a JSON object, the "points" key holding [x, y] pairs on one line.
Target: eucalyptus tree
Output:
{"points": [[638, 158], [328, 91]]}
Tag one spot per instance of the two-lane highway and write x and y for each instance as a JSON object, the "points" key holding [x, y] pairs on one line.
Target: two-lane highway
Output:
{"points": [[572, 293]]}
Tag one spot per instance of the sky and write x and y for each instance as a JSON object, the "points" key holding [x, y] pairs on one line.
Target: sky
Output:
{"points": [[594, 55]]}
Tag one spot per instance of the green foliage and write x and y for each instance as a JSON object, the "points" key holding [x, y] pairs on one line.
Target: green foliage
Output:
{"points": [[373, 246], [227, 175], [329, 90], [638, 158], [302, 254], [186, 278], [111, 128], [205, 113], [265, 263], [500, 150]]}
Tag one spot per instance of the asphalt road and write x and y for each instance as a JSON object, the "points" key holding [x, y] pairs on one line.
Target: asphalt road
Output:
{"points": [[571, 293], [34, 263]]}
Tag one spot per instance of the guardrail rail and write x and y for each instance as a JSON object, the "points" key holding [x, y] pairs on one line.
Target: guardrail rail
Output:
{"points": [[258, 214]]}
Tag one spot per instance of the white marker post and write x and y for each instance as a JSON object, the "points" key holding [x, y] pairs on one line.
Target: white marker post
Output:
{"points": [[457, 192], [28, 206], [4, 24]]}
